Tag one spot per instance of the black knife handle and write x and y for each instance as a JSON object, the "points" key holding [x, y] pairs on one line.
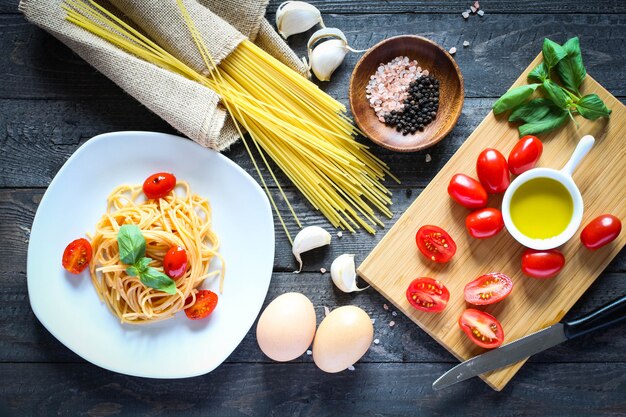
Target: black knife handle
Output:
{"points": [[605, 316]]}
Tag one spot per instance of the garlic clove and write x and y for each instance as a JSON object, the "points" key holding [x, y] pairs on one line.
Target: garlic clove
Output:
{"points": [[296, 17], [343, 273], [326, 58], [327, 48], [307, 239]]}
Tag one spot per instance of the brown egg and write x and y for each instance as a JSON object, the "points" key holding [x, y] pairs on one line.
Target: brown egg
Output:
{"points": [[342, 339], [286, 327]]}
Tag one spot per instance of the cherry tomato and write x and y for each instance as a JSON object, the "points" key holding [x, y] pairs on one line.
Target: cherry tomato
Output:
{"points": [[427, 294], [467, 191], [482, 328], [525, 154], [159, 185], [542, 263], [77, 255], [488, 289], [484, 223], [601, 231], [493, 171], [435, 243], [206, 301], [175, 262]]}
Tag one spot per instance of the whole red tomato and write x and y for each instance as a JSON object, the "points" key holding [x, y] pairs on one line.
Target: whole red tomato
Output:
{"points": [[542, 264], [601, 231], [525, 154], [467, 191], [175, 262], [493, 171], [484, 223], [159, 185]]}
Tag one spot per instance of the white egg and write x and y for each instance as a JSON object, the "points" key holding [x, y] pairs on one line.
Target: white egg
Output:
{"points": [[342, 339], [287, 327]]}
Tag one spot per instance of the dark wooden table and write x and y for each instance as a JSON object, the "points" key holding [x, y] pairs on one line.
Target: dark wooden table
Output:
{"points": [[51, 102]]}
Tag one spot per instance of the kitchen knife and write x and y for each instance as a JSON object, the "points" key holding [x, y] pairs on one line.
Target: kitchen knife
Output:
{"points": [[603, 317]]}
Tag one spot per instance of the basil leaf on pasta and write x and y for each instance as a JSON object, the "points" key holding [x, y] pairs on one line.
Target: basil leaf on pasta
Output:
{"points": [[131, 244], [156, 279]]}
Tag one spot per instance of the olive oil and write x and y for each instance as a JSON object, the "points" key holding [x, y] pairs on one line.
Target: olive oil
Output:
{"points": [[541, 208]]}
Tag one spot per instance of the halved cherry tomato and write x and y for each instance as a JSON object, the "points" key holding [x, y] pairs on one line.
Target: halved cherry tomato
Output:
{"points": [[159, 185], [427, 294], [601, 231], [77, 255], [467, 191], [542, 263], [175, 262], [435, 243], [482, 328], [493, 171], [484, 223], [206, 301], [525, 154], [488, 289]]}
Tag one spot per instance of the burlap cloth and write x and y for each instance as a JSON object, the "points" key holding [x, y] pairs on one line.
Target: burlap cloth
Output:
{"points": [[189, 107]]}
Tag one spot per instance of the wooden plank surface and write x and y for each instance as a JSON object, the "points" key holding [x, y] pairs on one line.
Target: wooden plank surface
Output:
{"points": [[51, 102], [534, 304]]}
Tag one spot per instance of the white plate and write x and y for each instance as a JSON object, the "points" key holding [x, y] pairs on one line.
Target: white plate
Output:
{"points": [[68, 306]]}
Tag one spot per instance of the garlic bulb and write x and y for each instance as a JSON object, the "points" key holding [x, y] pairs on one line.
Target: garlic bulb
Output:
{"points": [[327, 55], [343, 273], [296, 17], [307, 239]]}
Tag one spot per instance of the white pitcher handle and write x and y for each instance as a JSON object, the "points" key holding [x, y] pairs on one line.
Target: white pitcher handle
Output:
{"points": [[582, 149]]}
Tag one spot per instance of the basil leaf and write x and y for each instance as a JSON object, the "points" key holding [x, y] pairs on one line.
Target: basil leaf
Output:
{"points": [[539, 74], [132, 270], [552, 53], [131, 244], [514, 97], [571, 69], [592, 107], [556, 94], [156, 279], [550, 121], [535, 109]]}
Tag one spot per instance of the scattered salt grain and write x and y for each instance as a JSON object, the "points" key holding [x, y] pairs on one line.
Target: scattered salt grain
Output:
{"points": [[323, 270], [481, 13], [428, 157], [473, 9], [452, 50], [385, 306], [477, 5], [350, 368], [392, 323], [465, 15], [376, 341], [339, 233], [326, 311], [393, 313], [373, 321], [308, 352], [466, 44]]}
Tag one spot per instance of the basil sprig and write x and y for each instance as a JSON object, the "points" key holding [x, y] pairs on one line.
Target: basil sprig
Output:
{"points": [[132, 247], [560, 101]]}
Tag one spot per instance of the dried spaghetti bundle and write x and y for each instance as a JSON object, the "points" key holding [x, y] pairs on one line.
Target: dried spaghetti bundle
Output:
{"points": [[305, 131]]}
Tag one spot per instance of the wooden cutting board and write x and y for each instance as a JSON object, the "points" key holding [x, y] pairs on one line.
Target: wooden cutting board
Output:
{"points": [[533, 304]]}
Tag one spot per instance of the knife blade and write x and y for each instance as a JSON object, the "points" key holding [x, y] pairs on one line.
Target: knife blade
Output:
{"points": [[605, 316]]}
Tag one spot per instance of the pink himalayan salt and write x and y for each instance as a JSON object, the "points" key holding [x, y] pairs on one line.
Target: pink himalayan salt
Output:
{"points": [[387, 88]]}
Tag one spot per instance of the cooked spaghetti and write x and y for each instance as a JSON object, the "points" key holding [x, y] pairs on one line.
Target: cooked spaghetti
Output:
{"points": [[179, 219]]}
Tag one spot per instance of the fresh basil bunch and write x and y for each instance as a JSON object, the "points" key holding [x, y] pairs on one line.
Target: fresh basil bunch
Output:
{"points": [[132, 247], [560, 102]]}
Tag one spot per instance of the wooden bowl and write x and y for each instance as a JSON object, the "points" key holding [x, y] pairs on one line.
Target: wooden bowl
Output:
{"points": [[429, 56]]}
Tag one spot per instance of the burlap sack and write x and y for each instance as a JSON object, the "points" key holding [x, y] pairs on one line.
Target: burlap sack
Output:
{"points": [[189, 107]]}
